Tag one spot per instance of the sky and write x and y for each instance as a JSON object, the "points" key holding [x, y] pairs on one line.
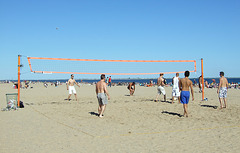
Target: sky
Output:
{"points": [[121, 30]]}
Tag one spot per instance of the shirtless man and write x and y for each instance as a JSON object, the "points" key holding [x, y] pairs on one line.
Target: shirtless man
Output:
{"points": [[175, 88], [161, 84], [184, 85], [131, 88], [102, 95], [222, 90], [71, 88]]}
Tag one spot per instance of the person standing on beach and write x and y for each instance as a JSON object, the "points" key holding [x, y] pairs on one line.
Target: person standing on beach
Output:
{"points": [[71, 88], [200, 84], [222, 90], [110, 81], [131, 88], [107, 80], [161, 90], [184, 85], [175, 88], [102, 95]]}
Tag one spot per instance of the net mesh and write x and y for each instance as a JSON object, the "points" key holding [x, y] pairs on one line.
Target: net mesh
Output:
{"points": [[110, 67]]}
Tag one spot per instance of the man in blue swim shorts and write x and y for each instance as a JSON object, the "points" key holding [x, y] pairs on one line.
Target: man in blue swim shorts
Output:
{"points": [[222, 90], [184, 85]]}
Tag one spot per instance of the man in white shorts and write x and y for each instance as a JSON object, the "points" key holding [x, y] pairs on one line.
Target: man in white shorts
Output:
{"points": [[71, 88], [161, 90], [175, 88]]}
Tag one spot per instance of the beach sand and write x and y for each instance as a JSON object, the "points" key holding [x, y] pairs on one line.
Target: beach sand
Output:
{"points": [[48, 123]]}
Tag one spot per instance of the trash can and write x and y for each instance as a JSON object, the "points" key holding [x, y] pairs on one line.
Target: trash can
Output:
{"points": [[12, 100]]}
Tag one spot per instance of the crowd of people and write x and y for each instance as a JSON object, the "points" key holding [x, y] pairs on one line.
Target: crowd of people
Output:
{"points": [[181, 88]]}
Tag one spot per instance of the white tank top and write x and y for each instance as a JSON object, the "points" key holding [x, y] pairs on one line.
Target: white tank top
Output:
{"points": [[175, 82]]}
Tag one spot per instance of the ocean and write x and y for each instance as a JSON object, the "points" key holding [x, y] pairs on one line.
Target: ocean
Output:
{"points": [[169, 80]]}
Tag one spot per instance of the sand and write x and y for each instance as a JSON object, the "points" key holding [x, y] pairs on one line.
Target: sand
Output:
{"points": [[48, 123]]}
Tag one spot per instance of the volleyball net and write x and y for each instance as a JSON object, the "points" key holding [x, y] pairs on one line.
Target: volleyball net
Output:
{"points": [[109, 67], [89, 68]]}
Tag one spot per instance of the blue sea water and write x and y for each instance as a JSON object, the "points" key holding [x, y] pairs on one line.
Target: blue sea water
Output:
{"points": [[209, 80]]}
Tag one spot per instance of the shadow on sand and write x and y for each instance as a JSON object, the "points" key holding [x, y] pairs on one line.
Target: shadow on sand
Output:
{"points": [[93, 113], [166, 102], [172, 113], [210, 106], [158, 101], [68, 99]]}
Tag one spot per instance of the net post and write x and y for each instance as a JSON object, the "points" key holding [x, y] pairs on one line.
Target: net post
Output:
{"points": [[19, 66], [202, 79], [195, 66]]}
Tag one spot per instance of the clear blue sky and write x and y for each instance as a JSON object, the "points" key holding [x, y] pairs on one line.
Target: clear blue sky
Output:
{"points": [[122, 29]]}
